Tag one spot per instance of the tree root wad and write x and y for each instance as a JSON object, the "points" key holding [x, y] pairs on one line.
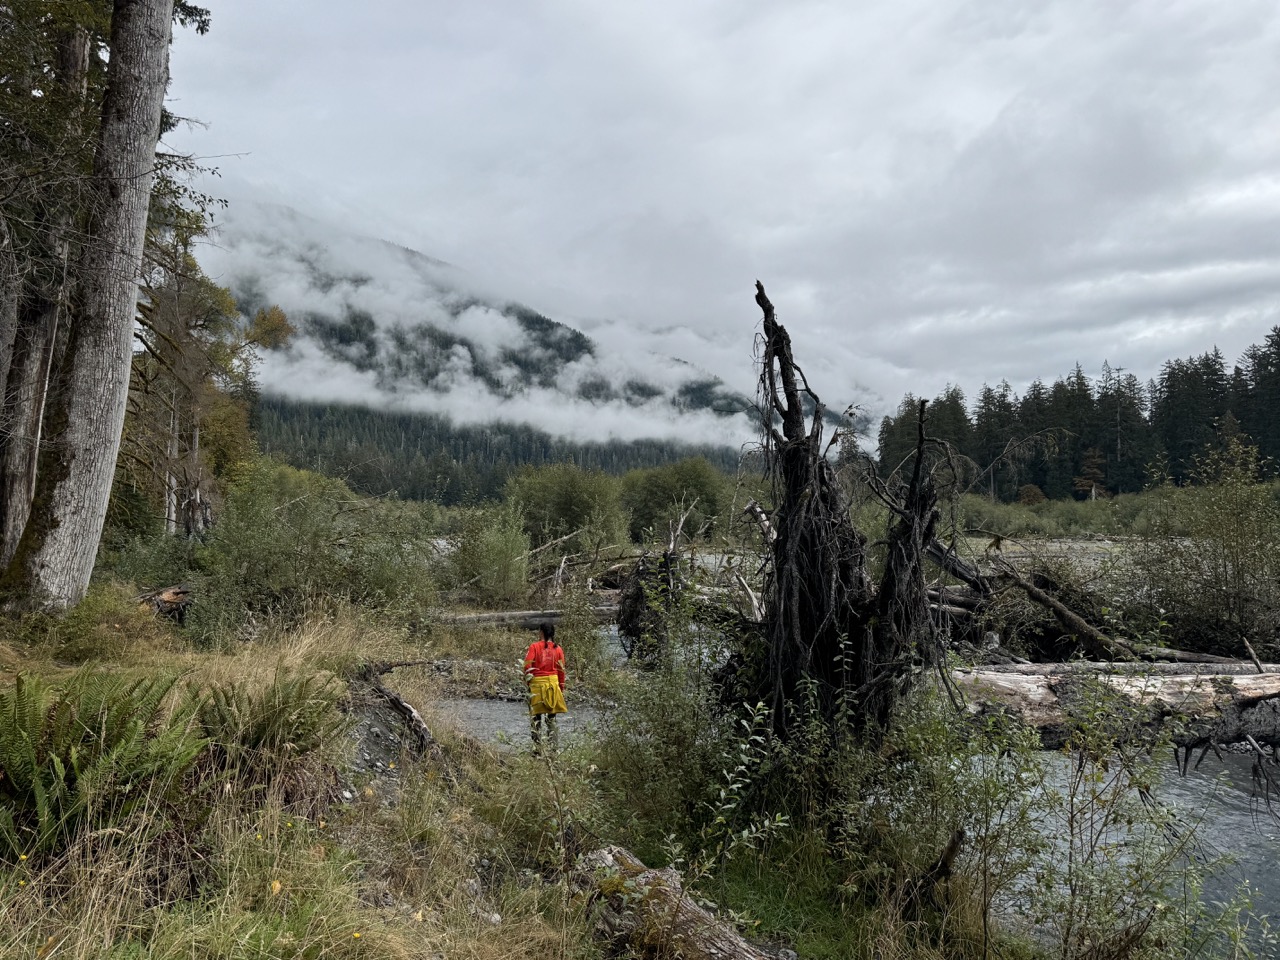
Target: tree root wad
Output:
{"points": [[830, 633]]}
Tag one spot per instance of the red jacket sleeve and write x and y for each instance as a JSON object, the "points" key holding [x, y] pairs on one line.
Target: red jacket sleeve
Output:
{"points": [[560, 668]]}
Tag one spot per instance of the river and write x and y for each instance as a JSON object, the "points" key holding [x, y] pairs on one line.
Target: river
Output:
{"points": [[1232, 821]]}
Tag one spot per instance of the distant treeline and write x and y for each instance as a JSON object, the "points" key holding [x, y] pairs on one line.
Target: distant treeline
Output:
{"points": [[1083, 437], [427, 457]]}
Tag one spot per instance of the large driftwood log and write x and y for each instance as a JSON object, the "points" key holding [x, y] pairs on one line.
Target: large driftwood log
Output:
{"points": [[651, 911], [524, 619], [1218, 708], [1237, 668]]}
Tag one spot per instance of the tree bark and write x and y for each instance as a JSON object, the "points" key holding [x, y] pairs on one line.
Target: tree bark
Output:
{"points": [[32, 331], [83, 422], [9, 283], [33, 358]]}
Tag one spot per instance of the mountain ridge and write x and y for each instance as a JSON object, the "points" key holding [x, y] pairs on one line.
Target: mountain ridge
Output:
{"points": [[391, 328]]}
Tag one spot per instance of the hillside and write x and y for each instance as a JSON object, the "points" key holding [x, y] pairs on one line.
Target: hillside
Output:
{"points": [[428, 457], [390, 328]]}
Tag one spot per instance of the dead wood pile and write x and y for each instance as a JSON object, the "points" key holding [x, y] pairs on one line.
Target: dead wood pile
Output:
{"points": [[523, 619]]}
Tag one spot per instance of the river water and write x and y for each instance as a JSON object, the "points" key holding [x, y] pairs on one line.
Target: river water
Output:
{"points": [[1233, 821], [506, 724]]}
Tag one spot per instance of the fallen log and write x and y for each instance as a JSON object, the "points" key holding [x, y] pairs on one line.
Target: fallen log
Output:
{"points": [[523, 619], [1238, 668], [651, 912], [1216, 708], [1097, 642], [424, 742], [956, 598]]}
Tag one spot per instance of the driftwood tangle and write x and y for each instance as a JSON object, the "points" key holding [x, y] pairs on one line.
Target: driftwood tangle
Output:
{"points": [[650, 911], [829, 629], [522, 619]]}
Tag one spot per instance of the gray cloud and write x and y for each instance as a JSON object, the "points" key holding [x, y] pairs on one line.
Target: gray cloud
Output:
{"points": [[933, 191]]}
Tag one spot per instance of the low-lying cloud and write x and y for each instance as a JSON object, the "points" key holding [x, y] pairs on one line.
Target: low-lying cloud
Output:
{"points": [[387, 327]]}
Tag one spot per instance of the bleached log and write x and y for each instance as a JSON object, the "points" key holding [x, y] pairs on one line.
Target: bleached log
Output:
{"points": [[1216, 707], [1132, 667]]}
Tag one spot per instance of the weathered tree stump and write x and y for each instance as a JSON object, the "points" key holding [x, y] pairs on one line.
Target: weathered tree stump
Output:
{"points": [[171, 602], [652, 912]]}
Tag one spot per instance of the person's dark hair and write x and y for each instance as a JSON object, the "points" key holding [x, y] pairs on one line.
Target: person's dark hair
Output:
{"points": [[548, 631]]}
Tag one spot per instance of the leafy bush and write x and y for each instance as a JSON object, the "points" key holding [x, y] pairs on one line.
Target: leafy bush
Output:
{"points": [[663, 745], [564, 500], [1209, 565], [489, 556], [659, 495], [579, 632], [85, 755], [288, 538], [1120, 875]]}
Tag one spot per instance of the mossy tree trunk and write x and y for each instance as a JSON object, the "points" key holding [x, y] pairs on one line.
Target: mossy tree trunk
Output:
{"points": [[84, 412]]}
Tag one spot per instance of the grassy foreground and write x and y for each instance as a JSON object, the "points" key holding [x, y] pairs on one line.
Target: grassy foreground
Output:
{"points": [[259, 800], [269, 843]]}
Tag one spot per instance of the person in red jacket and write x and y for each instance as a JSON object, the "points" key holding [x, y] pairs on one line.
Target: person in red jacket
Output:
{"points": [[544, 673]]}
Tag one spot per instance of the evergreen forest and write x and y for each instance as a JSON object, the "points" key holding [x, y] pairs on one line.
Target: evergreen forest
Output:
{"points": [[427, 457], [1088, 437]]}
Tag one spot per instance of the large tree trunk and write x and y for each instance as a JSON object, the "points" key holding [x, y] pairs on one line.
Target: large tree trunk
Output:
{"points": [[32, 331], [83, 420]]}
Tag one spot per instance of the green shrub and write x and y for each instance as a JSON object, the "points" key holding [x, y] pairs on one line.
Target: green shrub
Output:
{"points": [[663, 744], [288, 539], [1121, 873], [564, 500], [1209, 565], [260, 736], [84, 755], [579, 632], [488, 559], [658, 496]]}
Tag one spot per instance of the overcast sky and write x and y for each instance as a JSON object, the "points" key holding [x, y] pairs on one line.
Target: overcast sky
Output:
{"points": [[933, 191]]}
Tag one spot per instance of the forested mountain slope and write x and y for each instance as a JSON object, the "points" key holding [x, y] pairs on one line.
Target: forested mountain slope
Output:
{"points": [[428, 457], [389, 328]]}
